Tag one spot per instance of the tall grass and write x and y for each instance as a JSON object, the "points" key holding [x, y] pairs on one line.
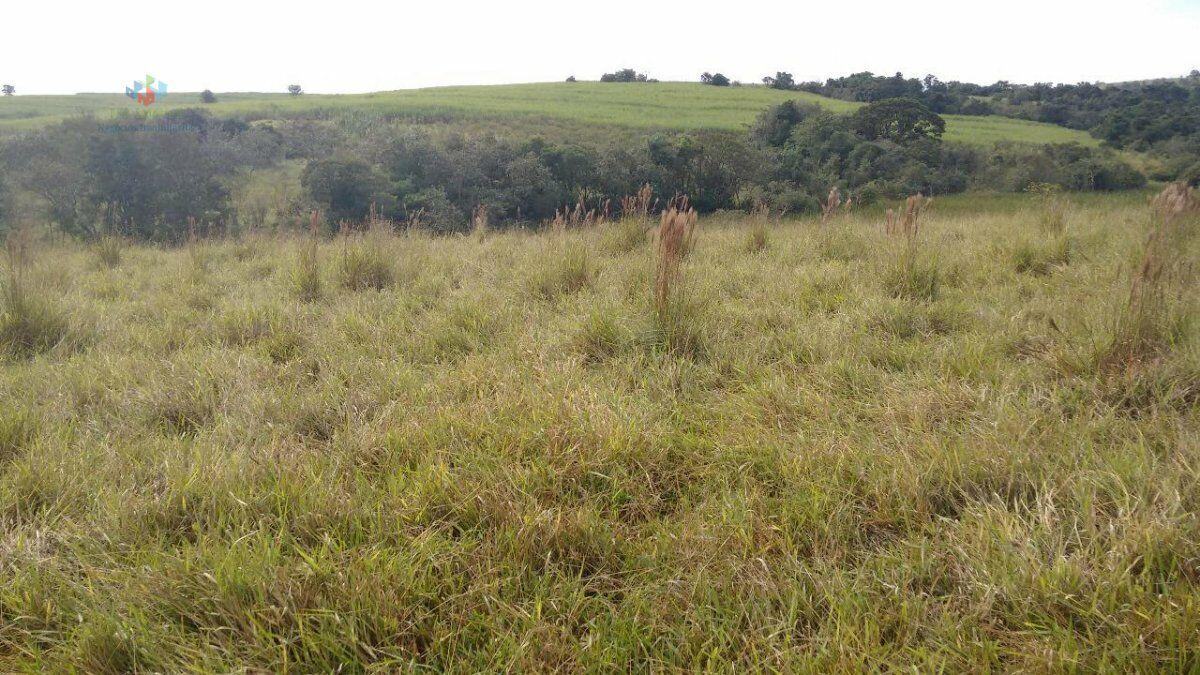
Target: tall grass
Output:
{"points": [[672, 311], [758, 236], [568, 268], [451, 475], [914, 273], [1154, 311], [29, 322], [307, 281], [366, 262], [109, 249]]}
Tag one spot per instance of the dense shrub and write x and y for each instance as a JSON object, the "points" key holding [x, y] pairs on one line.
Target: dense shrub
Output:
{"points": [[145, 177], [774, 125], [1014, 167], [160, 179], [626, 75], [1134, 115], [898, 120], [347, 189], [781, 80], [715, 79]]}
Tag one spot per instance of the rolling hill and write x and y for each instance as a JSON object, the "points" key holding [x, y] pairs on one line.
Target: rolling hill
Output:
{"points": [[668, 105]]}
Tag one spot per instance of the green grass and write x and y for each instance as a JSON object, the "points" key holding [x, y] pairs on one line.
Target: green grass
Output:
{"points": [[459, 471], [671, 105]]}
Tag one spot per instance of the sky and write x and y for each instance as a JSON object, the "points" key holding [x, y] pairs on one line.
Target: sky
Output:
{"points": [[354, 46]]}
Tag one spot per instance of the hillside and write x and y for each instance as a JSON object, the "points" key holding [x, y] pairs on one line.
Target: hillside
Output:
{"points": [[672, 105]]}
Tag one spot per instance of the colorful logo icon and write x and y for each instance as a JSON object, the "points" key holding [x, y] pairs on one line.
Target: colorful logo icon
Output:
{"points": [[147, 92]]}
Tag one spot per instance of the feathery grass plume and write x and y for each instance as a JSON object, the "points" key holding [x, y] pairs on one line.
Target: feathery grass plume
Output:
{"points": [[109, 249], [479, 221], [580, 216], [1148, 320], [306, 274], [1153, 312], [758, 237], [834, 205], [907, 222], [29, 323], [629, 231], [1175, 200], [914, 274], [674, 238], [639, 204]]}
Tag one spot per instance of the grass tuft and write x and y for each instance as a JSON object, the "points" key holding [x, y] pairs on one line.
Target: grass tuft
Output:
{"points": [[109, 250], [366, 263], [566, 270], [30, 324]]}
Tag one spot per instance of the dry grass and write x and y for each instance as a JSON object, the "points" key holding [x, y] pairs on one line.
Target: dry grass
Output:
{"points": [[907, 222], [835, 205], [580, 216], [479, 221], [640, 204], [307, 281], [1150, 320], [914, 274], [758, 236], [109, 249]]}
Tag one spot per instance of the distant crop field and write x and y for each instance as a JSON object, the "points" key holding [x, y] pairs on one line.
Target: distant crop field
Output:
{"points": [[668, 105]]}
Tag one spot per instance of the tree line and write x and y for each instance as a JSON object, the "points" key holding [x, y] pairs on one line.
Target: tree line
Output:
{"points": [[155, 179]]}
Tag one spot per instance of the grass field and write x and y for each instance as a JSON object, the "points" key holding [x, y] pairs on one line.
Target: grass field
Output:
{"points": [[641, 106], [833, 450]]}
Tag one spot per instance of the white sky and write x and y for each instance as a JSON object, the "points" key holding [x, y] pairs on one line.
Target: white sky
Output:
{"points": [[66, 46]]}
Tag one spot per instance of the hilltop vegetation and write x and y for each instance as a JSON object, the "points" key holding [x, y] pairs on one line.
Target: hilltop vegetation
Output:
{"points": [[1158, 116], [968, 441], [161, 177], [666, 106]]}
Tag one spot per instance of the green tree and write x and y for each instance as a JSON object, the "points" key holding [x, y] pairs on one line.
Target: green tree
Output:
{"points": [[154, 183], [50, 164], [625, 75], [347, 188], [207, 96], [782, 80], [8, 90], [899, 120], [774, 125], [715, 79], [295, 90]]}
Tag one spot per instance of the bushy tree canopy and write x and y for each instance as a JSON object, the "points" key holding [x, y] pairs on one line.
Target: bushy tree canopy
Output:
{"points": [[347, 188], [899, 120], [626, 75]]}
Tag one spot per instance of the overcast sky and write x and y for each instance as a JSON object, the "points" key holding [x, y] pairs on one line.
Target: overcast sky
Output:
{"points": [[355, 46]]}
